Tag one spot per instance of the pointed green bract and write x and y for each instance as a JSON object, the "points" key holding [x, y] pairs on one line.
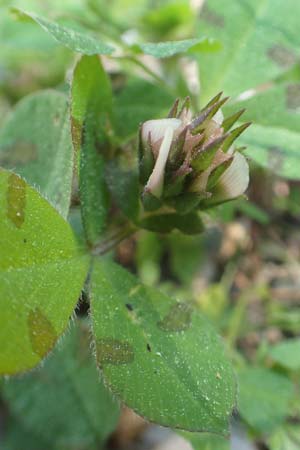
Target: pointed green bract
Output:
{"points": [[35, 141], [160, 356], [217, 172], [42, 272], [74, 40], [207, 113], [203, 159], [87, 413], [233, 135], [229, 121], [91, 116]]}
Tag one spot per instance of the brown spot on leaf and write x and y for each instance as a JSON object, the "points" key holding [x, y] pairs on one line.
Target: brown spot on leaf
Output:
{"points": [[18, 154], [114, 351], [41, 332], [179, 318], [16, 200], [282, 56], [56, 119], [293, 96], [210, 16]]}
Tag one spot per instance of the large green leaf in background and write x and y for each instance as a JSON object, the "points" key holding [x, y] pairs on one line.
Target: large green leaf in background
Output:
{"points": [[160, 356], [91, 116], [264, 398], [16, 437], [74, 40], [287, 353], [285, 438], [273, 140], [260, 41], [78, 411], [137, 102], [42, 272], [35, 141]]}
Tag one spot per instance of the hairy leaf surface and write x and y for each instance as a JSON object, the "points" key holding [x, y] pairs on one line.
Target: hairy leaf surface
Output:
{"points": [[42, 272], [160, 356]]}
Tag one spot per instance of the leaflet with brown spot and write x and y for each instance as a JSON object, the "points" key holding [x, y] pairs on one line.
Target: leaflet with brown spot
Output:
{"points": [[113, 351], [179, 318], [16, 200], [41, 332], [18, 154], [282, 56], [293, 96]]}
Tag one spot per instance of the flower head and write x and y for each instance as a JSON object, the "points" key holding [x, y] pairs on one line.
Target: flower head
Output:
{"points": [[189, 163]]}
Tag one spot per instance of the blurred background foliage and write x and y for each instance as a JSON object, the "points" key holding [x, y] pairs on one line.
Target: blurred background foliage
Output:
{"points": [[243, 271]]}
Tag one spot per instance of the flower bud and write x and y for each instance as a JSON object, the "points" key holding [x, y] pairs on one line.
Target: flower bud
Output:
{"points": [[191, 163]]}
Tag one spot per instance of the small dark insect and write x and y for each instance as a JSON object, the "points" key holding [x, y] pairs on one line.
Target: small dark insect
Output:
{"points": [[129, 307], [149, 348]]}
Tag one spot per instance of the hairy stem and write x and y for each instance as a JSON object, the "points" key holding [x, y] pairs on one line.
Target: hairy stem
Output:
{"points": [[112, 241]]}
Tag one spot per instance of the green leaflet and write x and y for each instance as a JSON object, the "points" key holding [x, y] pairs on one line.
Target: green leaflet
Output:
{"points": [[35, 141], [42, 272], [287, 353], [273, 139], [171, 48], [74, 40], [91, 115], [87, 413], [260, 41], [275, 149], [161, 357], [264, 398]]}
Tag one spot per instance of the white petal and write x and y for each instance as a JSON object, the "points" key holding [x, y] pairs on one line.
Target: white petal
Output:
{"points": [[158, 128], [235, 179], [218, 117], [156, 180], [186, 116]]}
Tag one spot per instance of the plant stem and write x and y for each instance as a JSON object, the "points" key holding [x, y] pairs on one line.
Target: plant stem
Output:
{"points": [[112, 241]]}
